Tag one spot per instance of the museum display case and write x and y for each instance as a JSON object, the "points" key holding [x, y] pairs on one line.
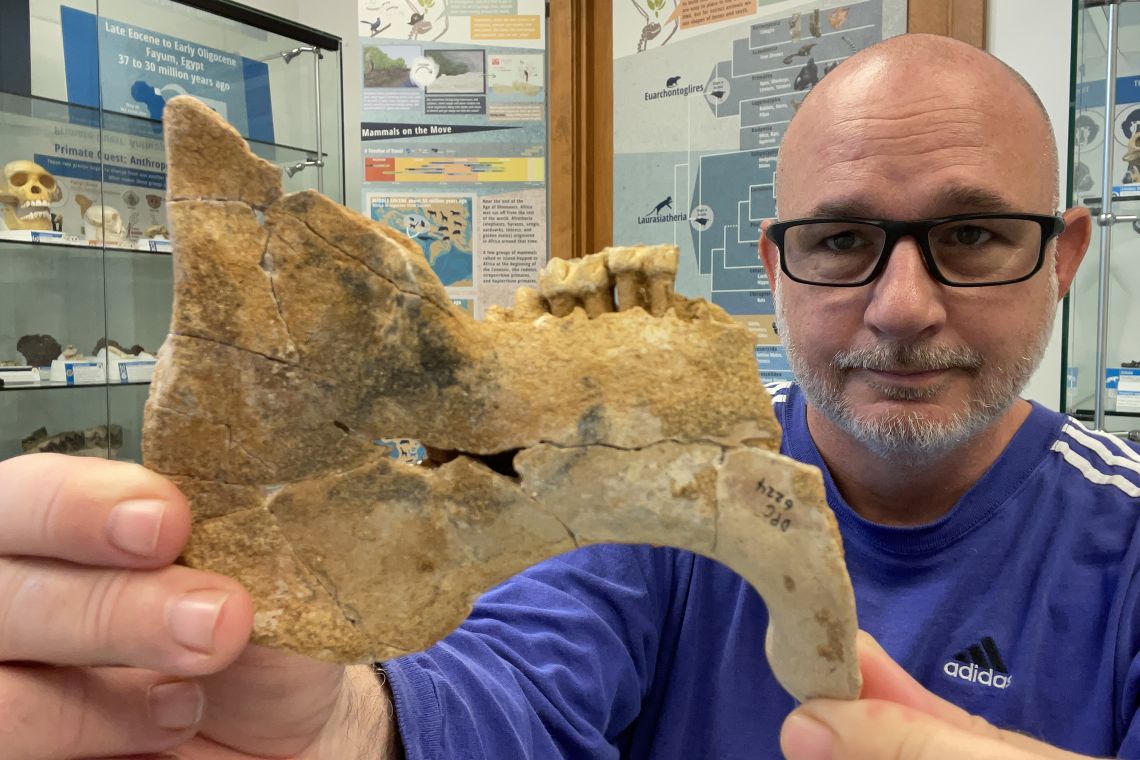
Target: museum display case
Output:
{"points": [[1101, 383], [85, 264]]}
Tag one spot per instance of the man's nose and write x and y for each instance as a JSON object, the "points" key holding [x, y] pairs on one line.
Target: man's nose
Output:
{"points": [[906, 302]]}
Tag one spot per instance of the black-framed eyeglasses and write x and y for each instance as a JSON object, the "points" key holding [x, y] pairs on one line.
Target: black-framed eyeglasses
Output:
{"points": [[966, 250]]}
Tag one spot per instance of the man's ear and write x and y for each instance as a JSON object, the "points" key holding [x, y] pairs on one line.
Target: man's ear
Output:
{"points": [[769, 255], [1071, 246]]}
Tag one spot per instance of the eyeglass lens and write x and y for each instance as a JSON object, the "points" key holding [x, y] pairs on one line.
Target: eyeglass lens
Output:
{"points": [[965, 251]]}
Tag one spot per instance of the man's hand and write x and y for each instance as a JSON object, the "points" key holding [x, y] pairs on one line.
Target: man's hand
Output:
{"points": [[895, 717], [107, 649]]}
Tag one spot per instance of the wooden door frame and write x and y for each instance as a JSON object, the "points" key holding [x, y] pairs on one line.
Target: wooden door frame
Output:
{"points": [[961, 19], [580, 47]]}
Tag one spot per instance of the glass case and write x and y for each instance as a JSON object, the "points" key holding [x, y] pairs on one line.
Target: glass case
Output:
{"points": [[85, 265], [1102, 312]]}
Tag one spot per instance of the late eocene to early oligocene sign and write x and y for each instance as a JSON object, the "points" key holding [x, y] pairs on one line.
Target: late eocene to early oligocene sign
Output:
{"points": [[303, 332]]}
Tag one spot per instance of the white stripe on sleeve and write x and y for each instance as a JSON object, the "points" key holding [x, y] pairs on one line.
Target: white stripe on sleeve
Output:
{"points": [[1117, 444], [1096, 444], [1092, 474]]}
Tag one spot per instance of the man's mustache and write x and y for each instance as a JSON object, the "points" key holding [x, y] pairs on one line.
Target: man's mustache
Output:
{"points": [[909, 357]]}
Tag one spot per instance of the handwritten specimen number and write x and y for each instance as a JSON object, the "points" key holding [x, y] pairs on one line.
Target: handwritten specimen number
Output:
{"points": [[778, 506]]}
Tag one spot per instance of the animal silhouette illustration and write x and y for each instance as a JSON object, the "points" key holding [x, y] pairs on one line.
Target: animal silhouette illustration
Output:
{"points": [[802, 52], [808, 76], [376, 26], [672, 81], [665, 204]]}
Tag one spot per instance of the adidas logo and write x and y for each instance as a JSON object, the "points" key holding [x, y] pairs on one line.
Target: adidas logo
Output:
{"points": [[980, 663]]}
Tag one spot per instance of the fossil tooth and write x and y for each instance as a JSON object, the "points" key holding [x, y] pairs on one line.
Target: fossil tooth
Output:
{"points": [[556, 285], [644, 275]]}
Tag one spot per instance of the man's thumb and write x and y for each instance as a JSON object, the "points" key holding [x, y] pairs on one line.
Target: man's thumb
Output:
{"points": [[896, 717], [825, 729]]}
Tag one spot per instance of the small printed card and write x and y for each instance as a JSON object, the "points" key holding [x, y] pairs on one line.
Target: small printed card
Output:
{"points": [[134, 370], [1128, 390], [154, 245], [20, 375], [82, 372], [33, 236]]}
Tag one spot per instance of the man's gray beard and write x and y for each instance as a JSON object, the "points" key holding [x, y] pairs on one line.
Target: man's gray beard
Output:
{"points": [[907, 436]]}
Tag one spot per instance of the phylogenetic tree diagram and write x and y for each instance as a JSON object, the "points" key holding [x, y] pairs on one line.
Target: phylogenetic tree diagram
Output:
{"points": [[770, 73]]}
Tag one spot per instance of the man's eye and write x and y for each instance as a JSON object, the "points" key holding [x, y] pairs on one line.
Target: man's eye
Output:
{"points": [[969, 235], [844, 241]]}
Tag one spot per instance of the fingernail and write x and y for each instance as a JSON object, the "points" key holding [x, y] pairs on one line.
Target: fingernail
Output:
{"points": [[176, 705], [803, 738], [863, 638], [193, 619], [134, 526]]}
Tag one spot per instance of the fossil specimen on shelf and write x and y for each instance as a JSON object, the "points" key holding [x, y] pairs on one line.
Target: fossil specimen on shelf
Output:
{"points": [[100, 223], [117, 348], [26, 197], [303, 332], [98, 441], [39, 350]]}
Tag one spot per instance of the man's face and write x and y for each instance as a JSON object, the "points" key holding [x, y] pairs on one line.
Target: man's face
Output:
{"points": [[911, 367]]}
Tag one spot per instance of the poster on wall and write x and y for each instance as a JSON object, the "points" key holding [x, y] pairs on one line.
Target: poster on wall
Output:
{"points": [[1090, 132], [140, 69], [102, 186], [453, 135], [725, 77]]}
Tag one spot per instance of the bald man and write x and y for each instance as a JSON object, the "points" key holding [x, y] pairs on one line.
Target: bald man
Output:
{"points": [[917, 264]]}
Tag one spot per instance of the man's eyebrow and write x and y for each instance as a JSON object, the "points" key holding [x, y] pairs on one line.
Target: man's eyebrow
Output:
{"points": [[850, 207], [948, 200], [963, 198]]}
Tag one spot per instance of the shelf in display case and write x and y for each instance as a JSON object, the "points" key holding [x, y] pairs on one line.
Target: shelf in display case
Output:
{"points": [[53, 413], [1084, 415], [47, 385], [78, 117], [1095, 200], [65, 296], [78, 373], [46, 249], [40, 240]]}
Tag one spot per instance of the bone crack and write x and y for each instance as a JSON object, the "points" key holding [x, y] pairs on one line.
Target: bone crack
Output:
{"points": [[268, 357], [445, 308], [266, 263]]}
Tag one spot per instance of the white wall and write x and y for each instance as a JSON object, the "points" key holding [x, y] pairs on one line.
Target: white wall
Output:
{"points": [[339, 17], [1034, 37], [283, 8], [336, 17]]}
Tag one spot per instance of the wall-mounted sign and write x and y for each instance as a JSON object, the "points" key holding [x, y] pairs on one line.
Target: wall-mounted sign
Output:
{"points": [[703, 92], [138, 70], [454, 137]]}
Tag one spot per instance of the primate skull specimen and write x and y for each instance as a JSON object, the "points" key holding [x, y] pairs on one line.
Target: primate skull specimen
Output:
{"points": [[102, 223], [27, 195], [572, 418], [1132, 157]]}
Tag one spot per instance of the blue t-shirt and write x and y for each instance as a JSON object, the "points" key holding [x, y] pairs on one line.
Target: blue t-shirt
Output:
{"points": [[1018, 605]]}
